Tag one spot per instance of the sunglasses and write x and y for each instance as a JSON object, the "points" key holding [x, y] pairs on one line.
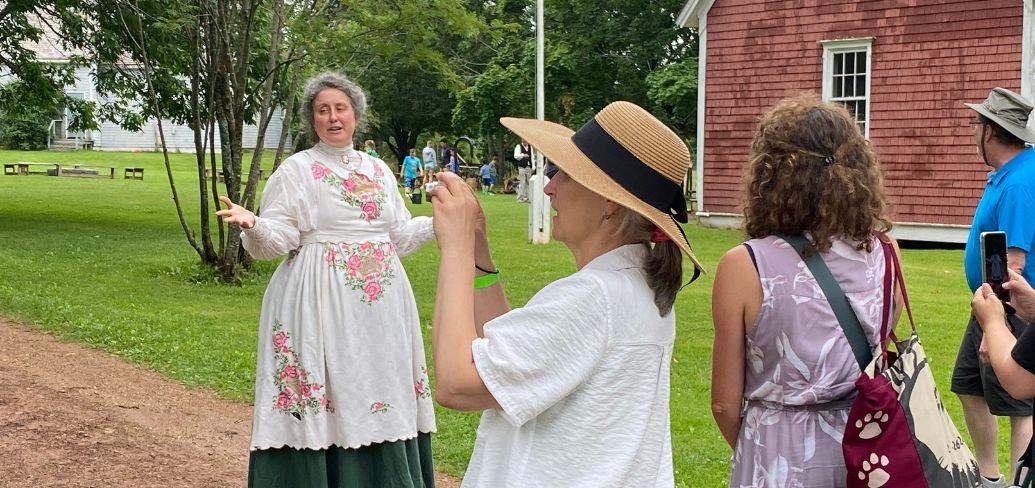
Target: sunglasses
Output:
{"points": [[551, 169]]}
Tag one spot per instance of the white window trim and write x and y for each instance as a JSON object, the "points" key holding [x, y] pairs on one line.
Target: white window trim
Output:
{"points": [[1028, 55], [831, 47]]}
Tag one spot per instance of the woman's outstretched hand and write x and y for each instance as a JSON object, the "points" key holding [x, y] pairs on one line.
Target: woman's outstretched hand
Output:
{"points": [[236, 214], [457, 213]]}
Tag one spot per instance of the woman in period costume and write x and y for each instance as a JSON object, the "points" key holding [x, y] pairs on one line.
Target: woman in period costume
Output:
{"points": [[341, 388]]}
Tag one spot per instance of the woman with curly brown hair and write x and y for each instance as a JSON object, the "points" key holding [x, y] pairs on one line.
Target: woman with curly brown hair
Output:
{"points": [[783, 372]]}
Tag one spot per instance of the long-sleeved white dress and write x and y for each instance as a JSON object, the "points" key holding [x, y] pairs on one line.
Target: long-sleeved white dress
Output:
{"points": [[341, 358]]}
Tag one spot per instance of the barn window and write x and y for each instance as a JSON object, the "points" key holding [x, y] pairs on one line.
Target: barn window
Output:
{"points": [[846, 77]]}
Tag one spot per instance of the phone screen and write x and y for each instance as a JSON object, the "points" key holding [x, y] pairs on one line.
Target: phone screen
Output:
{"points": [[993, 255]]}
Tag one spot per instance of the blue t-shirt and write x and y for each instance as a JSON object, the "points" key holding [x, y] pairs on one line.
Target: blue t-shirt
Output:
{"points": [[410, 165], [1008, 204], [485, 171]]}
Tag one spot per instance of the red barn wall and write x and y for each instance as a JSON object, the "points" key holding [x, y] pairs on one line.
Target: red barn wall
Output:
{"points": [[928, 57]]}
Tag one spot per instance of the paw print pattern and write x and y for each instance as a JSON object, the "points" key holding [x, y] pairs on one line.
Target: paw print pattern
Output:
{"points": [[870, 424], [873, 471]]}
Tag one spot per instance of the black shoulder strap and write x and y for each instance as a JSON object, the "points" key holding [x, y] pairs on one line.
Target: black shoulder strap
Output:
{"points": [[838, 301]]}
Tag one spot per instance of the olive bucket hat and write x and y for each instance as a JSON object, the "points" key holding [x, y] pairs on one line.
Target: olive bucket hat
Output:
{"points": [[1009, 111]]}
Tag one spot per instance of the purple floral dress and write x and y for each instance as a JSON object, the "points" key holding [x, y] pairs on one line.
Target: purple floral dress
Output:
{"points": [[341, 357], [800, 372]]}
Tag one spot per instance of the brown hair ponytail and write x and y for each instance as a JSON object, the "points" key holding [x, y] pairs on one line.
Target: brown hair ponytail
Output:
{"points": [[664, 263]]}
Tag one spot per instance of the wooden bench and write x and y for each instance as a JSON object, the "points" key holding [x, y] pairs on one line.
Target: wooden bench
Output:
{"points": [[264, 174], [133, 173], [24, 169], [83, 171], [77, 172]]}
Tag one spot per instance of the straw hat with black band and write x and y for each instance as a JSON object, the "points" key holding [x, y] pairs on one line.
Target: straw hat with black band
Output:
{"points": [[1009, 111], [623, 154]]}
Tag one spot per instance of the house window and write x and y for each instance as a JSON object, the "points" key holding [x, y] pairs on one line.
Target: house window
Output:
{"points": [[846, 77]]}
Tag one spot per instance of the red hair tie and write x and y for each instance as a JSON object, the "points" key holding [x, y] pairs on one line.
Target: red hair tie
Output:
{"points": [[658, 236]]}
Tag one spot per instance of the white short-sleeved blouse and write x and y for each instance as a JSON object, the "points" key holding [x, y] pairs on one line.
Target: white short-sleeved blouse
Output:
{"points": [[581, 373]]}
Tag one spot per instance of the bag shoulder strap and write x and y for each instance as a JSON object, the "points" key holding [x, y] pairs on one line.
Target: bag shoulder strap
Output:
{"points": [[901, 285], [888, 287], [838, 300]]}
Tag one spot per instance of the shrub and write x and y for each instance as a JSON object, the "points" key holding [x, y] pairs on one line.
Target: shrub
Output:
{"points": [[23, 119], [27, 131]]}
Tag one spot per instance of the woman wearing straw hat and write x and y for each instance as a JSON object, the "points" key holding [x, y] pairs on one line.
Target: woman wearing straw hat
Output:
{"points": [[575, 384]]}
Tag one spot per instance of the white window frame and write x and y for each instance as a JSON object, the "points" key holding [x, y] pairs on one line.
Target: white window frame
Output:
{"points": [[1028, 55], [839, 46]]}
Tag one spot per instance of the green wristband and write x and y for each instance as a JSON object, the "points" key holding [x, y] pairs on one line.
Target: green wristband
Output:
{"points": [[487, 280]]}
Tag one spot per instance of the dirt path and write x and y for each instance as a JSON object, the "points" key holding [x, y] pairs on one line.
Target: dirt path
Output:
{"points": [[78, 417]]}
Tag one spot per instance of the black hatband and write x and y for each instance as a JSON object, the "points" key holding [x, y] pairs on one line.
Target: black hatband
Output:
{"points": [[629, 171]]}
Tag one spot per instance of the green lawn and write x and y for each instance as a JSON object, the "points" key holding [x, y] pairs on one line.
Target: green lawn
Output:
{"points": [[105, 263]]}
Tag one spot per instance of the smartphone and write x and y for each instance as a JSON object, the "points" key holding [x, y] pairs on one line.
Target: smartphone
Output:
{"points": [[993, 259]]}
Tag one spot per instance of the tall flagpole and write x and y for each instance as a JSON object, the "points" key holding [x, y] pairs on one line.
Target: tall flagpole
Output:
{"points": [[539, 214]]}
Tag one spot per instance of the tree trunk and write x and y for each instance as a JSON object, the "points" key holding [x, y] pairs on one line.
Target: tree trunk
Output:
{"points": [[289, 114], [211, 135], [301, 141], [404, 140], [209, 255], [501, 149], [141, 45], [266, 106], [237, 35]]}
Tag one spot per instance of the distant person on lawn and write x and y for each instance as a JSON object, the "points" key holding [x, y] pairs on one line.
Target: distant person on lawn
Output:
{"points": [[485, 172], [429, 162], [575, 384], [370, 147], [341, 388], [494, 174], [410, 168], [523, 160], [454, 160], [443, 155]]}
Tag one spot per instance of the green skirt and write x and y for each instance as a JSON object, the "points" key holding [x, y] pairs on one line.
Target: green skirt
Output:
{"points": [[399, 464]]}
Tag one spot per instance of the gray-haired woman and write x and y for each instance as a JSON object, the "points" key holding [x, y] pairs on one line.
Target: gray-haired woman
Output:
{"points": [[341, 388]]}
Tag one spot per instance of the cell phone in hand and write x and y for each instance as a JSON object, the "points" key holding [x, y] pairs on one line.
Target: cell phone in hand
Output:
{"points": [[993, 264]]}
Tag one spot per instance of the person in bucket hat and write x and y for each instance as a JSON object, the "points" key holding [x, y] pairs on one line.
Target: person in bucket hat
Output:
{"points": [[1008, 111], [1000, 132], [575, 384]]}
